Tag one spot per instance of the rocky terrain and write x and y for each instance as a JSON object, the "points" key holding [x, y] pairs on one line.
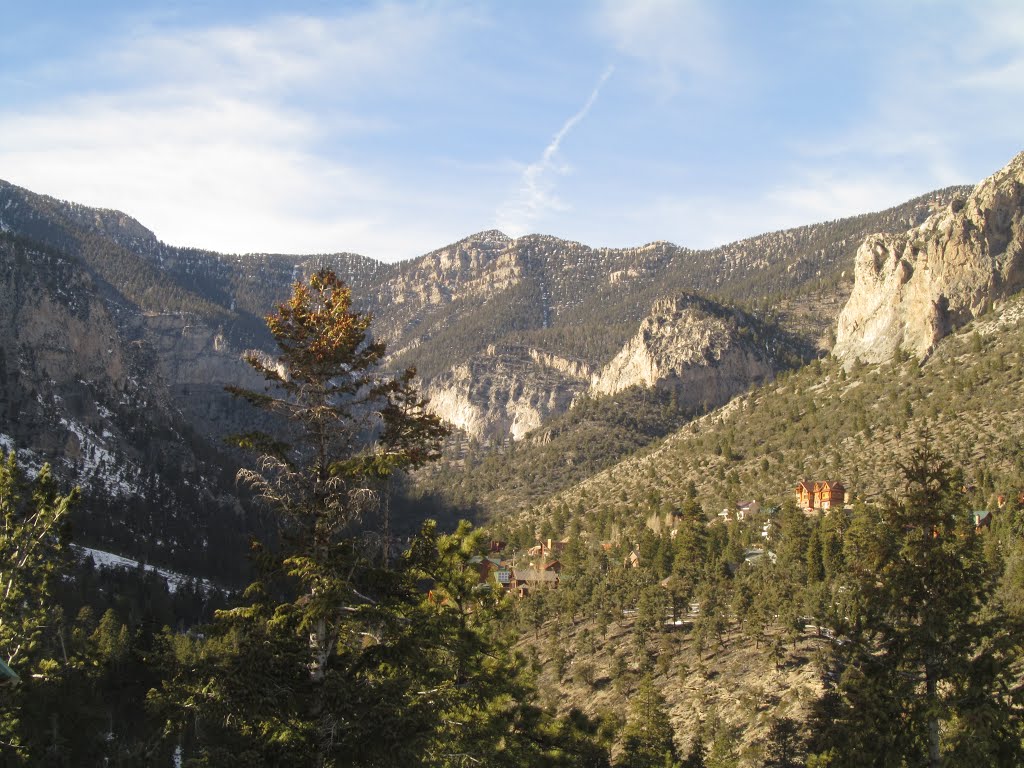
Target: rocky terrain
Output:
{"points": [[914, 288], [118, 345], [701, 350]]}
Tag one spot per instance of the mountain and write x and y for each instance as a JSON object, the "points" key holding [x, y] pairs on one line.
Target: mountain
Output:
{"points": [[611, 400], [119, 345], [913, 288], [817, 421]]}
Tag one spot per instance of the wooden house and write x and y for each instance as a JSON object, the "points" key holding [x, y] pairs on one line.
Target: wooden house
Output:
{"points": [[805, 495], [820, 496], [523, 580], [830, 494]]}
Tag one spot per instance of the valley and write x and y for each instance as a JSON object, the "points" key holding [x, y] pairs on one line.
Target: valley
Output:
{"points": [[650, 409]]}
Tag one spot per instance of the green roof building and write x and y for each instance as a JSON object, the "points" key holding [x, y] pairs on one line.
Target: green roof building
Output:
{"points": [[7, 675]]}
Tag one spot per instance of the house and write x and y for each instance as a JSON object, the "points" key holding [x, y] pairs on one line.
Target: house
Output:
{"points": [[485, 566], [745, 509], [547, 547], [819, 496], [755, 554], [523, 580], [504, 576], [632, 559], [982, 520], [805, 495], [830, 494]]}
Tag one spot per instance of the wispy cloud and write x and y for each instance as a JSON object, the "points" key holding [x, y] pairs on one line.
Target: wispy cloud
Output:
{"points": [[215, 136], [708, 220], [536, 197], [676, 39]]}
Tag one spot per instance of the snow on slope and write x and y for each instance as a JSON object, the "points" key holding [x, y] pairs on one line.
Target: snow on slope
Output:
{"points": [[174, 579]]}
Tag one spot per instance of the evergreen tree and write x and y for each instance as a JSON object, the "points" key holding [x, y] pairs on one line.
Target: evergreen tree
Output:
{"points": [[288, 678], [927, 670], [647, 740], [785, 746], [33, 541]]}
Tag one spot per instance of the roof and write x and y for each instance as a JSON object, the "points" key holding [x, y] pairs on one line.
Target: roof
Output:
{"points": [[7, 675], [532, 574]]}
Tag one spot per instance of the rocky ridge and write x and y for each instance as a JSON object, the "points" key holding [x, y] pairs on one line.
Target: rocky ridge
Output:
{"points": [[497, 395], [700, 349], [914, 288]]}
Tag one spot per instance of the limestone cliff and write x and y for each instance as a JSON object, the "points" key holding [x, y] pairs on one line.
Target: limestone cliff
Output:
{"points": [[506, 393], [704, 351], [913, 289]]}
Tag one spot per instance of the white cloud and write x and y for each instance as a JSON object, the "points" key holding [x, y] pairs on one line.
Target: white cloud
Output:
{"points": [[677, 39], [536, 197], [287, 51], [710, 219], [215, 137]]}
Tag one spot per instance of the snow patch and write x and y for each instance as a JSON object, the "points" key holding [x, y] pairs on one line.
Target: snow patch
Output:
{"points": [[97, 461], [175, 579]]}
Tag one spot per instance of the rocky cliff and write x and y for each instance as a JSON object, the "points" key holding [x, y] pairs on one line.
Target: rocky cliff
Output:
{"points": [[558, 311], [702, 350], [914, 288], [507, 393]]}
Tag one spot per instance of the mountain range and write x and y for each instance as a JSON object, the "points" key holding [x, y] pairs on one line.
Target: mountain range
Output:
{"points": [[116, 346]]}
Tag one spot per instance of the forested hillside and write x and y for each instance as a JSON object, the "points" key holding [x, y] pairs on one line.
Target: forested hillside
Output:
{"points": [[826, 565]]}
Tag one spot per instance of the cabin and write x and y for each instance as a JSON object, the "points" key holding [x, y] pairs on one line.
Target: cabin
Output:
{"points": [[742, 511], [523, 580], [745, 509], [543, 549], [485, 566], [805, 495], [819, 496], [982, 520]]}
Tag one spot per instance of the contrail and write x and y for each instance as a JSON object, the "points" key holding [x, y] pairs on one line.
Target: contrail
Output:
{"points": [[533, 198]]}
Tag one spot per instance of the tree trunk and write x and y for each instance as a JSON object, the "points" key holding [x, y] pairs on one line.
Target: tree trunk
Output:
{"points": [[934, 756]]}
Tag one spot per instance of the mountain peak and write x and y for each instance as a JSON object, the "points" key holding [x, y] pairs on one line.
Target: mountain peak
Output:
{"points": [[914, 288]]}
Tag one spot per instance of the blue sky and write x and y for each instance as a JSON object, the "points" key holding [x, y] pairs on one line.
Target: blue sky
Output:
{"points": [[393, 128]]}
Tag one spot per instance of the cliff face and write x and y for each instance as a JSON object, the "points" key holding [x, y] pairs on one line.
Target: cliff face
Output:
{"points": [[701, 349], [506, 394], [913, 289]]}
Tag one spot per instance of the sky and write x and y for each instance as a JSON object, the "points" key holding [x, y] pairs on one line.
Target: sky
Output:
{"points": [[390, 129]]}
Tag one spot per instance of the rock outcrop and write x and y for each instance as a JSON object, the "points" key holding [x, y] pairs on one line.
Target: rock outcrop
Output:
{"points": [[503, 394], [707, 353], [913, 289]]}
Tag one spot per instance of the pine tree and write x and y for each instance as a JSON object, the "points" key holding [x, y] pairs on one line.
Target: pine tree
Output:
{"points": [[926, 674], [290, 677], [647, 740], [33, 540]]}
